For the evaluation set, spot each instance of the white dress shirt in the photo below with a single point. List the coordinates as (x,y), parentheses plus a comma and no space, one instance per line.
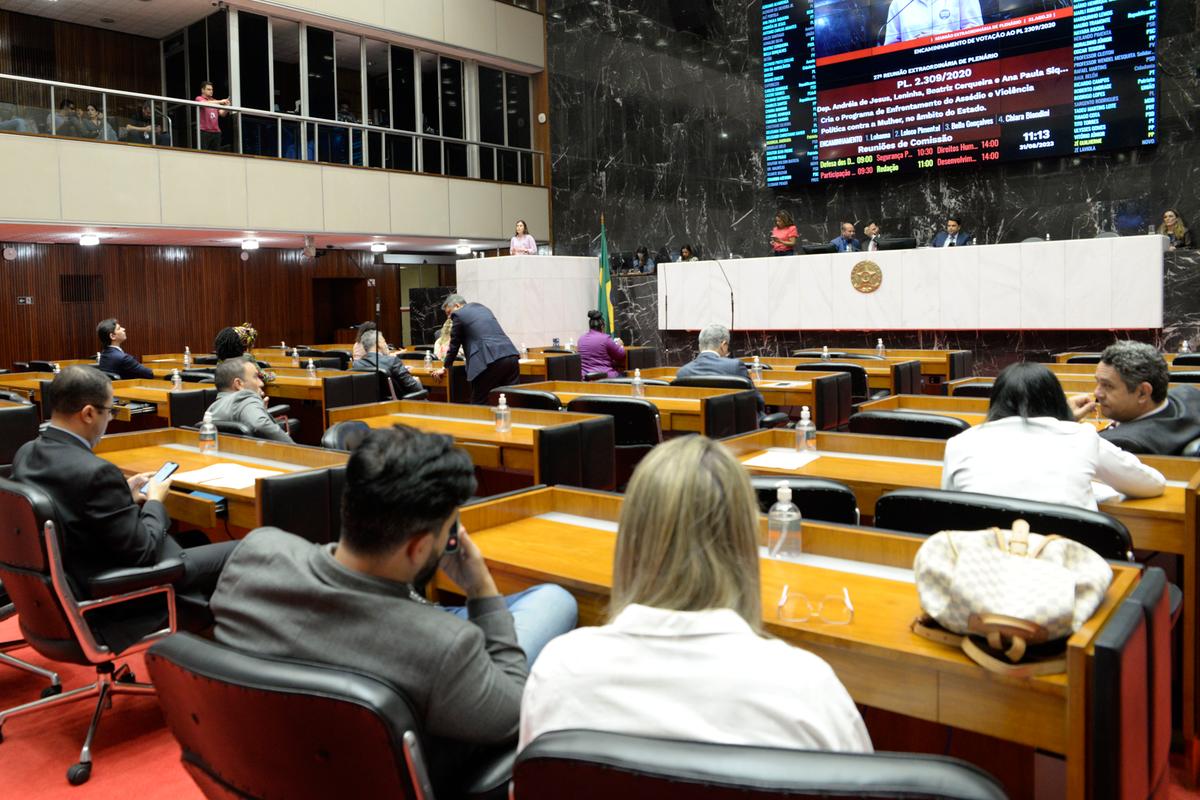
(1046,460)
(912,19)
(693,675)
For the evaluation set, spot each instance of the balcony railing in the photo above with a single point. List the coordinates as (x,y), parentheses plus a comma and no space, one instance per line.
(31,105)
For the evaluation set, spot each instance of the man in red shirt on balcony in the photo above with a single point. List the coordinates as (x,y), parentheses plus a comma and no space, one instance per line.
(210,126)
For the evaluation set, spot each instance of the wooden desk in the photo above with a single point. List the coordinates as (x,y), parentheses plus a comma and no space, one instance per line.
(874,465)
(880,374)
(25,383)
(1062,358)
(524,450)
(146,451)
(972,410)
(681,409)
(1072,383)
(941,364)
(789,390)
(526,540)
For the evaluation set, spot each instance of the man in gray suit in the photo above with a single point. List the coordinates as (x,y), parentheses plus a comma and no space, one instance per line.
(714,358)
(492,360)
(357,603)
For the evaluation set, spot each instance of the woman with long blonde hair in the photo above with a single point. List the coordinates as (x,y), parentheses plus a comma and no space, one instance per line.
(683,655)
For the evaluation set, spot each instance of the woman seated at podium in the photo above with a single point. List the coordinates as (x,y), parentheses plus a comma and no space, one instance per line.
(683,655)
(599,352)
(687,254)
(1176,232)
(1032,448)
(522,244)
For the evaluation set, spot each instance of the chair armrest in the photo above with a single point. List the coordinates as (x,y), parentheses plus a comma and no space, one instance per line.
(280,410)
(489,773)
(776,420)
(131,579)
(421,395)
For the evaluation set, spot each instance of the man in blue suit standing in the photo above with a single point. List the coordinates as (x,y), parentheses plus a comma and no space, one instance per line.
(846,243)
(492,360)
(953,236)
(112,358)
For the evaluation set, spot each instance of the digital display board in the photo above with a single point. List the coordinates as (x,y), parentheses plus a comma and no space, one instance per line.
(867,87)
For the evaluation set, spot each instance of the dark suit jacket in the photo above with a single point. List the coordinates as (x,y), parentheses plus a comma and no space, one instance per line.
(403,380)
(476,330)
(709,363)
(845,245)
(113,359)
(1164,433)
(102,528)
(961,240)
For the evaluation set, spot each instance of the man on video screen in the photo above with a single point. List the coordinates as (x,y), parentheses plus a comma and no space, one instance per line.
(911,19)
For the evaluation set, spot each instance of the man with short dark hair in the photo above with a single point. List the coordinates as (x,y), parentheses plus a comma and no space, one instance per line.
(106,521)
(492,360)
(241,399)
(210,124)
(112,358)
(953,236)
(1132,391)
(355,603)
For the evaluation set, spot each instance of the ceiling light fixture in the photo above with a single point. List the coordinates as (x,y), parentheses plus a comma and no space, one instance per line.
(463,249)
(378,247)
(89,239)
(249,244)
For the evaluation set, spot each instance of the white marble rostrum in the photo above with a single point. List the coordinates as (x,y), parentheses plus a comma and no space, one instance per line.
(1110,283)
(535,298)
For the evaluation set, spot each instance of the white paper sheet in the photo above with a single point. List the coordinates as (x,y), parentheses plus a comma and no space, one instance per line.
(226,476)
(782,458)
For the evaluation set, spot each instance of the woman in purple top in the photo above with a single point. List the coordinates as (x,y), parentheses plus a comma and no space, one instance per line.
(599,352)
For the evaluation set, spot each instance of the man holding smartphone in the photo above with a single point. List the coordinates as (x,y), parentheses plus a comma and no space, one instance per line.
(107,521)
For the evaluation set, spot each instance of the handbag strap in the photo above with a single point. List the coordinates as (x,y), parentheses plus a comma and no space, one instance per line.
(1030,669)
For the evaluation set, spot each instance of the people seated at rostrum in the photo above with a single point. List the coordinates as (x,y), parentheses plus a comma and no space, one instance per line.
(684,655)
(357,603)
(240,398)
(106,521)
(112,358)
(1031,447)
(1132,391)
(377,359)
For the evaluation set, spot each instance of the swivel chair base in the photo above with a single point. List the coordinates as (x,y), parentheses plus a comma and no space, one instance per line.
(55,686)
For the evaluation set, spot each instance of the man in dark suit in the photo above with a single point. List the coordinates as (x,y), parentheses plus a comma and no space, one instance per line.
(714,358)
(112,358)
(953,236)
(846,243)
(1131,390)
(870,238)
(106,521)
(492,360)
(377,359)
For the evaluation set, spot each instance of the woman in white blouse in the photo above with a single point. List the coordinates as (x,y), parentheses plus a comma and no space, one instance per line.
(522,244)
(1031,448)
(683,655)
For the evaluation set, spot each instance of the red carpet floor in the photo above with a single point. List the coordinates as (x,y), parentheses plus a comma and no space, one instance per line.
(134,756)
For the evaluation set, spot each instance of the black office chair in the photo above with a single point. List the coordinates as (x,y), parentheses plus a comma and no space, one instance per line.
(974,389)
(1155,597)
(775,419)
(637,428)
(345,435)
(921,424)
(928,511)
(197,376)
(303,503)
(1189,376)
(1084,359)
(253,727)
(54,613)
(817,498)
(595,765)
(557,350)
(13,397)
(186,408)
(1191,449)
(1119,707)
(112,376)
(516,397)
(18,425)
(208,361)
(233,427)
(343,357)
(595,376)
(41,366)
(321,362)
(820,354)
(629,379)
(860,386)
(405,355)
(8,610)
(1186,360)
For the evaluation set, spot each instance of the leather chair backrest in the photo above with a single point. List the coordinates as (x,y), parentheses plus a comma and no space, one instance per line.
(906,377)
(558,350)
(962,364)
(594,765)
(339,390)
(1186,360)
(13,397)
(405,355)
(367,388)
(1189,376)
(564,368)
(317,731)
(25,571)
(1083,360)
(344,435)
(197,376)
(112,376)
(1191,449)
(457,386)
(297,502)
(817,498)
(597,447)
(188,407)
(907,423)
(41,366)
(337,485)
(1152,595)
(715,382)
(859,385)
(834,399)
(927,511)
(974,389)
(343,357)
(47,398)
(642,358)
(206,360)
(18,425)
(1120,718)
(635,419)
(233,427)
(322,362)
(516,397)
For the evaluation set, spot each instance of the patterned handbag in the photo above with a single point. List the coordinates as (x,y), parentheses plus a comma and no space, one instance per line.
(1014,588)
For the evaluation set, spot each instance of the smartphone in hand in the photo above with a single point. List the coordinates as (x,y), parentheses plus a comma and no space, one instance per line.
(164,472)
(452,541)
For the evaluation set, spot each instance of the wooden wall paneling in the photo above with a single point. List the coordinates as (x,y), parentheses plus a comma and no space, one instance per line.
(16,321)
(109,59)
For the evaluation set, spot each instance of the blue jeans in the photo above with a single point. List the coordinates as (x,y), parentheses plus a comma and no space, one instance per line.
(540,613)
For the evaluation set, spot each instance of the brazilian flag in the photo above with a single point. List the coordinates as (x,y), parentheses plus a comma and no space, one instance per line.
(604,295)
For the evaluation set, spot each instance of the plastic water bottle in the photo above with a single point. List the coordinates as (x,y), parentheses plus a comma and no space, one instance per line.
(806,433)
(187,357)
(503,416)
(571,345)
(524,351)
(283,346)
(639,388)
(97,358)
(57,368)
(1047,237)
(825,352)
(176,381)
(296,357)
(879,349)
(428,361)
(208,435)
(756,370)
(1185,347)
(783,526)
(312,369)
